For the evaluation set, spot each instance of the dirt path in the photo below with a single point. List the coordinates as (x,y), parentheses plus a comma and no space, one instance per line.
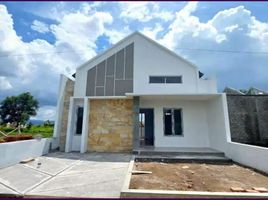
(196,177)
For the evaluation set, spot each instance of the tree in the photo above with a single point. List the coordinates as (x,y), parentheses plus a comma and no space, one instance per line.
(18,109)
(48,123)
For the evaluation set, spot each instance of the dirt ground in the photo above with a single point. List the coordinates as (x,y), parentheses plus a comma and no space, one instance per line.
(196,177)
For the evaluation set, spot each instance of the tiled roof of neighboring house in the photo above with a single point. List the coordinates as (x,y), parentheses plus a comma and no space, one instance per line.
(255,91)
(250,91)
(229,90)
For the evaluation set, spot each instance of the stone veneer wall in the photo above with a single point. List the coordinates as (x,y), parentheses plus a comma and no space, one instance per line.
(110,125)
(68,92)
(248,116)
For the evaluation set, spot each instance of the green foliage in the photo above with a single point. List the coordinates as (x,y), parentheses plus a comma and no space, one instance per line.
(48,123)
(18,109)
(45,131)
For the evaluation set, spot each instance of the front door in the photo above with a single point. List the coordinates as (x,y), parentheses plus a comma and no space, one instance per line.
(147,125)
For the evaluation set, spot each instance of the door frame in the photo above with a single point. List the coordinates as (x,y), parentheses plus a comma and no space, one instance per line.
(149,108)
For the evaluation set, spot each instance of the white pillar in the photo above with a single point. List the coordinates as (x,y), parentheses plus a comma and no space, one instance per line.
(84,136)
(70,126)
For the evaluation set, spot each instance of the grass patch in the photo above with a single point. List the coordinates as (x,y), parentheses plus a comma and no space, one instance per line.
(45,131)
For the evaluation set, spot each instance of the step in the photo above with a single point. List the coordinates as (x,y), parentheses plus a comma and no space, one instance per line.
(176,153)
(183,158)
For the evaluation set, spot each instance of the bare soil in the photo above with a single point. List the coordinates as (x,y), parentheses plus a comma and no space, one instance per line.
(196,177)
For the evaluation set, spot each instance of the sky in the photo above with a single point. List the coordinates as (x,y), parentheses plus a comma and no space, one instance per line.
(41,40)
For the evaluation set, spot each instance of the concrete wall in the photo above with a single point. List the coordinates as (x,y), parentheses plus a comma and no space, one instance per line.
(14,152)
(249,155)
(194,119)
(110,125)
(248,118)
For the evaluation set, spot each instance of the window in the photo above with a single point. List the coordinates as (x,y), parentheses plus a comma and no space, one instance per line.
(172,121)
(79,122)
(165,79)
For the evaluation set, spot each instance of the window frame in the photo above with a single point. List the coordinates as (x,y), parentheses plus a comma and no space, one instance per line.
(165,79)
(173,126)
(76,116)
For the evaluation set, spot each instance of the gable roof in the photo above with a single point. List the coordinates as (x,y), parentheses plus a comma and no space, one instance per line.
(129,37)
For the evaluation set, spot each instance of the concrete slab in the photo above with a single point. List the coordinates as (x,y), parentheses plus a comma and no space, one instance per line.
(50,165)
(105,180)
(68,175)
(6,190)
(21,178)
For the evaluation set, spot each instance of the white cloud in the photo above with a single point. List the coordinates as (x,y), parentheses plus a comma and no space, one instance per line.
(45,113)
(152,32)
(4,83)
(143,11)
(35,66)
(39,26)
(117,35)
(230,29)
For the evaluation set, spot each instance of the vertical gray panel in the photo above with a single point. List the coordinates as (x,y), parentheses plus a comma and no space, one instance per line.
(110,66)
(91,75)
(99,91)
(100,74)
(109,86)
(123,86)
(129,61)
(119,69)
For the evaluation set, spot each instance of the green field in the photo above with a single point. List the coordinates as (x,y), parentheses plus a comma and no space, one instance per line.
(45,131)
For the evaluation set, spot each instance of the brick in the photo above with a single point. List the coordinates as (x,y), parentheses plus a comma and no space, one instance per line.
(252,191)
(260,189)
(237,189)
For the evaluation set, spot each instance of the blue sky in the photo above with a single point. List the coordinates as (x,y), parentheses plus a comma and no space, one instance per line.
(39,41)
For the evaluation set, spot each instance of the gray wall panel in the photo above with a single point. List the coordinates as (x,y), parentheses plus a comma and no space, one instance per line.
(100,74)
(109,86)
(119,69)
(99,91)
(91,75)
(110,66)
(129,61)
(123,86)
(113,76)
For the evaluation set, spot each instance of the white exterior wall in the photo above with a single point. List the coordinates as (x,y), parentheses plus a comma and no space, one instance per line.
(194,119)
(13,152)
(249,155)
(219,130)
(151,60)
(207,85)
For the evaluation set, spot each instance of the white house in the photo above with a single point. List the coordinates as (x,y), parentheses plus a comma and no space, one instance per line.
(138,93)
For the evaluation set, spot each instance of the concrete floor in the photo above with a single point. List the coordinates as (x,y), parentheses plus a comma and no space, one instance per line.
(67,175)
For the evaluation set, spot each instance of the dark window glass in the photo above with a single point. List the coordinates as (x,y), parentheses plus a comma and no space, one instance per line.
(79,122)
(173,79)
(172,122)
(165,79)
(177,122)
(168,121)
(157,79)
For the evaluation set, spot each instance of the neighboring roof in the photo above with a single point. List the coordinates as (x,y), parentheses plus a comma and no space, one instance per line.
(229,90)
(255,91)
(250,91)
(128,38)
